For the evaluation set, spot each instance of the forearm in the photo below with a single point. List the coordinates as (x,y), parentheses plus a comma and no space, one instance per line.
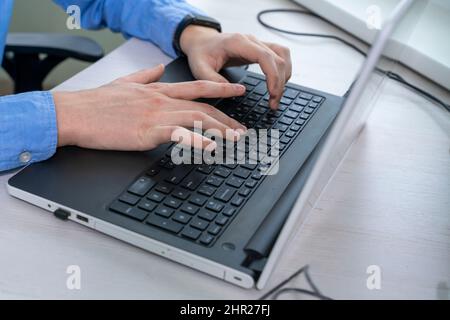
(152,20)
(28,129)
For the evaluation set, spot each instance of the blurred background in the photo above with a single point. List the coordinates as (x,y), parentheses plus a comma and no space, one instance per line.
(46,16)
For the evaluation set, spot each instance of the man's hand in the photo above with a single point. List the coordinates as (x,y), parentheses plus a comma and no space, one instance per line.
(208,51)
(137,113)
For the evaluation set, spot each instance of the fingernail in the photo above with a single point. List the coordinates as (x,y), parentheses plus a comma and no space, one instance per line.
(211,147)
(239,87)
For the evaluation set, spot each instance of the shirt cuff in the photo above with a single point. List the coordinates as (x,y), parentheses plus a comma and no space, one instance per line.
(29,129)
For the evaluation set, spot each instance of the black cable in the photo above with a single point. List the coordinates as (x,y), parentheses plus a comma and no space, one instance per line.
(391,75)
(277,291)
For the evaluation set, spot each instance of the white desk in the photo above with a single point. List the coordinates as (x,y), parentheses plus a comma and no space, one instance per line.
(387,205)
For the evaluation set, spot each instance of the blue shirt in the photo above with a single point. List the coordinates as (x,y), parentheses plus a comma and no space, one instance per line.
(28,128)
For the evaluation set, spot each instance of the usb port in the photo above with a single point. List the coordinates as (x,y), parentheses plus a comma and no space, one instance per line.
(81,218)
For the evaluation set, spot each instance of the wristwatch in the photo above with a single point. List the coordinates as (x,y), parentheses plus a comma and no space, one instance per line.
(197,20)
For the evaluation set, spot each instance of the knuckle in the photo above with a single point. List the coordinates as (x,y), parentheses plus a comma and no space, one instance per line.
(157,98)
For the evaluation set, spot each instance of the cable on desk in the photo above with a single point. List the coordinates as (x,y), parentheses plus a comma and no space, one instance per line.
(391,75)
(278,290)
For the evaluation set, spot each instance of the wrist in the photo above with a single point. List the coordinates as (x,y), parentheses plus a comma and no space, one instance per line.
(193,35)
(64,118)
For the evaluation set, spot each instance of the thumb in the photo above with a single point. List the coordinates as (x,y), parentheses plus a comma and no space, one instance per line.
(144,76)
(203,71)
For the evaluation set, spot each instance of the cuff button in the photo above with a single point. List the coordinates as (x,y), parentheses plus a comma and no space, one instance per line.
(25,157)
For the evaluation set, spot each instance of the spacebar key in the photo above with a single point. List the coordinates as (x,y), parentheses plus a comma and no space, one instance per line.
(165,224)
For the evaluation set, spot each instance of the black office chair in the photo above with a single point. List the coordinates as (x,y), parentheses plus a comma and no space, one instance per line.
(29,57)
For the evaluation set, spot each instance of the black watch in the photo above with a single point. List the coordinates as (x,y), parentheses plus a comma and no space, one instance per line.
(197,20)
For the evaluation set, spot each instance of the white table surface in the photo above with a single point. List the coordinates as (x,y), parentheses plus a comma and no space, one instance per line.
(387,205)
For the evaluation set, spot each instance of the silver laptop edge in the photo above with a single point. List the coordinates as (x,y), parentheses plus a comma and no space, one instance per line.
(213,268)
(304,203)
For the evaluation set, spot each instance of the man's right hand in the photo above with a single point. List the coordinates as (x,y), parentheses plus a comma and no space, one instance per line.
(137,113)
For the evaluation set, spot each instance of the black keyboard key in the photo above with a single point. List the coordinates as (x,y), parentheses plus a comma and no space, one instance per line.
(250,166)
(214,206)
(206,169)
(193,180)
(286,101)
(164,188)
(242,173)
(164,211)
(214,181)
(260,110)
(155,196)
(231,166)
(317,99)
(313,105)
(178,174)
(256,176)
(172,202)
(261,88)
(199,224)
(244,192)
(285,140)
(296,108)
(206,239)
(129,198)
(286,121)
(251,81)
(214,229)
(131,212)
(301,102)
(300,122)
(120,207)
(291,114)
(235,182)
(251,183)
(295,128)
(229,211)
(291,93)
(222,220)
(304,116)
(237,200)
(309,110)
(222,172)
(141,186)
(206,190)
(254,96)
(306,96)
(224,193)
(147,205)
(181,194)
(207,215)
(189,208)
(181,217)
(198,200)
(165,224)
(290,134)
(281,127)
(191,233)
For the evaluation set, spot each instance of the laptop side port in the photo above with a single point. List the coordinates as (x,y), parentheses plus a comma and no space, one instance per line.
(83,219)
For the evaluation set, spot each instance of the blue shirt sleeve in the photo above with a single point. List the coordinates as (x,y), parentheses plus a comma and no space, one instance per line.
(28,131)
(152,20)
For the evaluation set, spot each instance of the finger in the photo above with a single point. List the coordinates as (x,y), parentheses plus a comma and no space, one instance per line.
(275,95)
(285,54)
(200,89)
(163,134)
(245,48)
(144,76)
(185,105)
(202,70)
(198,120)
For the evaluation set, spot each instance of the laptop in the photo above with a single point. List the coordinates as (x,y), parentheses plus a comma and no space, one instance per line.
(230,220)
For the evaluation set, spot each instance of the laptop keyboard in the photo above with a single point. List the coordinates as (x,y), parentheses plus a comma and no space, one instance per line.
(198,202)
